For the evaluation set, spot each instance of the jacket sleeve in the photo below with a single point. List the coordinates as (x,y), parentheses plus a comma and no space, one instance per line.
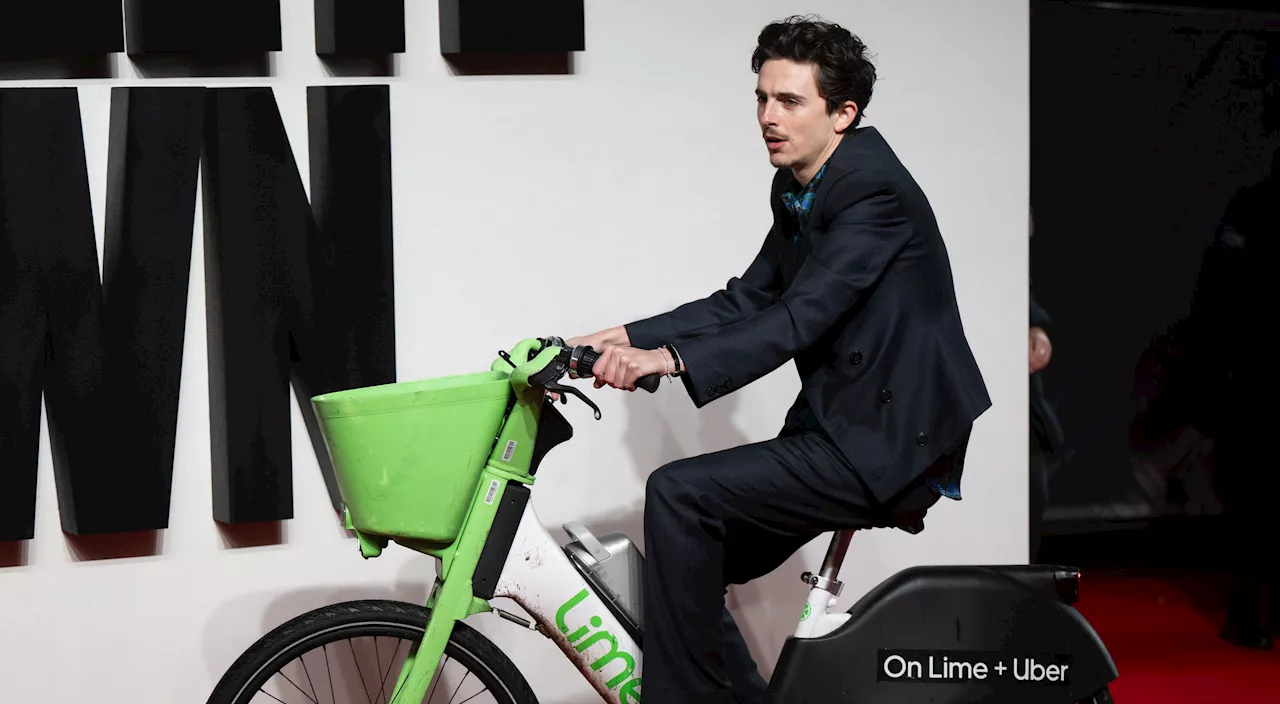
(869,230)
(741,297)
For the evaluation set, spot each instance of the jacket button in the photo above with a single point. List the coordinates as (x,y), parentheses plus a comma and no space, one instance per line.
(886,396)
(855,358)
(922,439)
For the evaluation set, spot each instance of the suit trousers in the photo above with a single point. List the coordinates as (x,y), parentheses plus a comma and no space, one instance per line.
(727,518)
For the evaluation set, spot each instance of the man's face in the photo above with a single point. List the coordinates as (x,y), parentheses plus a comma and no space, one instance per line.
(799,132)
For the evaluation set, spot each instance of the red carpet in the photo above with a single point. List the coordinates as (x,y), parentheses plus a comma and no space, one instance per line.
(1162,630)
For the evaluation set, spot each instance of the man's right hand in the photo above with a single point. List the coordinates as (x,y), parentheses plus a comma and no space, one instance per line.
(603,340)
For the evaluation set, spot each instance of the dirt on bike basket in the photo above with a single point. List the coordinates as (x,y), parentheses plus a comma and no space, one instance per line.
(407,456)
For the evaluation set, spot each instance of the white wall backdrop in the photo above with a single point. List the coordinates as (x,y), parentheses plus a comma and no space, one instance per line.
(644,169)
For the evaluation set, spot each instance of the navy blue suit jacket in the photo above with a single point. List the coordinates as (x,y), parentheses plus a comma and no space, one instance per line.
(869,317)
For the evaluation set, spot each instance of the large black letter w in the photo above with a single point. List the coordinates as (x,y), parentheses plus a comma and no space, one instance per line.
(292,291)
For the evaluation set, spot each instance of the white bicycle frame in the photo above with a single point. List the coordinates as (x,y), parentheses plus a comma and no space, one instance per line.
(539,576)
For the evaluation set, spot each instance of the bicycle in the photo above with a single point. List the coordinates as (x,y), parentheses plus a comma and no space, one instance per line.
(446,467)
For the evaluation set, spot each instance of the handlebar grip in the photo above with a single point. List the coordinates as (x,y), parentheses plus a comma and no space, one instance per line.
(587,362)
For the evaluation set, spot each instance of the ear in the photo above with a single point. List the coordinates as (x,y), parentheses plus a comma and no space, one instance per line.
(842,118)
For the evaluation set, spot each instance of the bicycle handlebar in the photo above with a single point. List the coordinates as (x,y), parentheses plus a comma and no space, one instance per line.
(583,359)
(536,366)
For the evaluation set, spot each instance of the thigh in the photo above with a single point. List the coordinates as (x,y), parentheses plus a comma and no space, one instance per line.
(769,499)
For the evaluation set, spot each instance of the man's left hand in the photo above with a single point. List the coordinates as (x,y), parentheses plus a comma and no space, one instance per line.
(620,366)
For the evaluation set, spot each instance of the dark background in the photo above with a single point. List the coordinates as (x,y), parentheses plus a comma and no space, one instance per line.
(1144,121)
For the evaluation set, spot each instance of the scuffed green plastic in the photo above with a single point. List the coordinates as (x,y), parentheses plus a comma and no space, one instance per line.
(408,456)
(426,464)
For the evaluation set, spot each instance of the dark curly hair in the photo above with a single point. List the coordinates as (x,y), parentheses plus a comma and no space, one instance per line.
(843,71)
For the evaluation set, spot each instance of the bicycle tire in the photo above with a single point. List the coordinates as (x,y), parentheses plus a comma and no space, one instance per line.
(327,624)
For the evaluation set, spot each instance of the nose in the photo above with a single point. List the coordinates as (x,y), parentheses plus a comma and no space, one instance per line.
(768,113)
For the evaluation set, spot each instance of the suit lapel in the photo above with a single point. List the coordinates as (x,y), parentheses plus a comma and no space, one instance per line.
(832,174)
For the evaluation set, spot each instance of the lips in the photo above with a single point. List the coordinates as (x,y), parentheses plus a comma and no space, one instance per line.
(774,143)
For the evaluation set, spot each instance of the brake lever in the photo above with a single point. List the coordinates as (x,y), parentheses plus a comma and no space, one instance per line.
(561,389)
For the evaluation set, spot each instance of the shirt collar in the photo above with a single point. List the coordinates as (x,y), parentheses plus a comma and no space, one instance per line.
(800,203)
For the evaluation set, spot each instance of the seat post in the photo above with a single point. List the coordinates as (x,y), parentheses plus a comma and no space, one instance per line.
(823,590)
(826,577)
(835,554)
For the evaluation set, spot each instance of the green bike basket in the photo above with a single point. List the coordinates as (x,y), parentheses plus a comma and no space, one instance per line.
(408,455)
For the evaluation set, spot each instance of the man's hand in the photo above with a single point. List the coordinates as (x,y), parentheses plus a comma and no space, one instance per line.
(603,340)
(619,366)
(1041,349)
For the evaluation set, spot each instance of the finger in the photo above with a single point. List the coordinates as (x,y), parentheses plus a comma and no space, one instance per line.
(633,374)
(601,368)
(620,372)
(626,373)
(612,366)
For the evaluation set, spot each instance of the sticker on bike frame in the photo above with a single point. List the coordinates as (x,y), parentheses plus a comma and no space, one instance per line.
(509,451)
(493,491)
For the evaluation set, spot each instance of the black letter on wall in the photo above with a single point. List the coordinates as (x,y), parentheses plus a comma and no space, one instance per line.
(43,29)
(359,27)
(290,294)
(202,27)
(107,356)
(298,294)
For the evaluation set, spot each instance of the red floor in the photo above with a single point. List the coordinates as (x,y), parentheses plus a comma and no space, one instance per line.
(1162,630)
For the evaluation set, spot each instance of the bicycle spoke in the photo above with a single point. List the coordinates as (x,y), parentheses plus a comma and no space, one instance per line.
(377,658)
(309,682)
(360,672)
(295,685)
(332,697)
(447,680)
(435,681)
(455,691)
(390,666)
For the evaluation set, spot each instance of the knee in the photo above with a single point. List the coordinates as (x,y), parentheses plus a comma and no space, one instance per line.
(668,486)
(662,484)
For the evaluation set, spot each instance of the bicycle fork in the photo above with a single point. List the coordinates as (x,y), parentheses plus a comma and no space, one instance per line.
(452,598)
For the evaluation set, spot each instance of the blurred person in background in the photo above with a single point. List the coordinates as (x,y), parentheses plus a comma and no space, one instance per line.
(1235,295)
(1234,301)
(1046,432)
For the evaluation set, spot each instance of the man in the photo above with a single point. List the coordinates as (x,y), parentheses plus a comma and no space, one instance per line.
(1236,409)
(1047,440)
(854,284)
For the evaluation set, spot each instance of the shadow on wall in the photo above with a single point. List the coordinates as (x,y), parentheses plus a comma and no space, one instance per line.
(14,554)
(146,543)
(241,621)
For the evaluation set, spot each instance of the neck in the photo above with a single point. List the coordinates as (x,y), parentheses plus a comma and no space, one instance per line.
(804,174)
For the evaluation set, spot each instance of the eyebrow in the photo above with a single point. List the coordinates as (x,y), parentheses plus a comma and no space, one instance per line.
(784,96)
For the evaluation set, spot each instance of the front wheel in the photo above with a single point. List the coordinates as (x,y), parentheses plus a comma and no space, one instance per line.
(352,652)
